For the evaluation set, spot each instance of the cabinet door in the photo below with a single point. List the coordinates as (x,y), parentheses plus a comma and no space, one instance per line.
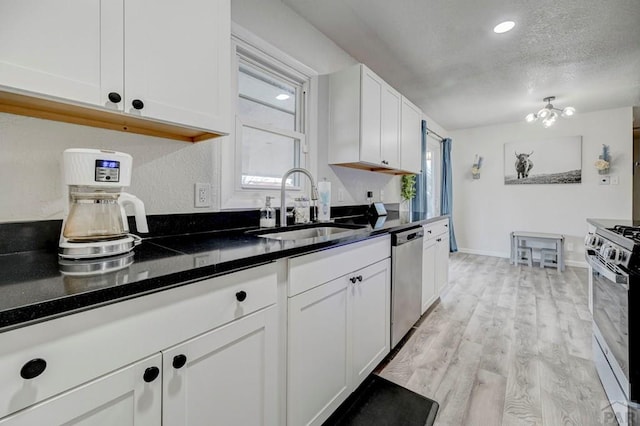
(121,398)
(411,137)
(318,373)
(177,58)
(442,262)
(70,50)
(429,293)
(390,127)
(370,330)
(227,376)
(371,108)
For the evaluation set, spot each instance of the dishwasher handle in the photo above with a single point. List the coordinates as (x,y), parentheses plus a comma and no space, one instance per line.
(407,236)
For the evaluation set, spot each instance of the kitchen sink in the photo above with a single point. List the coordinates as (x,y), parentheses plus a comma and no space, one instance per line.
(320,230)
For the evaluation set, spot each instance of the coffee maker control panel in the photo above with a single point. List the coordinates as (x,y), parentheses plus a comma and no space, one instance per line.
(107,171)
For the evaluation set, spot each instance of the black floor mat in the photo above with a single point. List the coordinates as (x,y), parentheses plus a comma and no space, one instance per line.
(379,402)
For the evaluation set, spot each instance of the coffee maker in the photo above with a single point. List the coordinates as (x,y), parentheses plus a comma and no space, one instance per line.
(96,223)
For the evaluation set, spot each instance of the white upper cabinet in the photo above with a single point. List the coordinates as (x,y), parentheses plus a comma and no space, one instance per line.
(177,61)
(162,61)
(411,137)
(390,127)
(70,50)
(365,122)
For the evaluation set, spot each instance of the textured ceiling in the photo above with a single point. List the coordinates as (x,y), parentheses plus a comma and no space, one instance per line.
(445,57)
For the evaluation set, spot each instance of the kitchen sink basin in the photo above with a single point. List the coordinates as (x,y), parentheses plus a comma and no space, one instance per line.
(321,231)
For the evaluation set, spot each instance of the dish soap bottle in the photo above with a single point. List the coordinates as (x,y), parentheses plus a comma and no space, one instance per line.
(267,215)
(324,207)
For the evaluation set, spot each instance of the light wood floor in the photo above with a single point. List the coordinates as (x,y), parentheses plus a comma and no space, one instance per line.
(507,345)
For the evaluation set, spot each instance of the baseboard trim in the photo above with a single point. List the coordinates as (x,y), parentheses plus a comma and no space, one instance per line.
(484,252)
(576,263)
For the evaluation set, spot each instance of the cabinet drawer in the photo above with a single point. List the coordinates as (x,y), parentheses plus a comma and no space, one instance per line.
(431,230)
(80,347)
(311,270)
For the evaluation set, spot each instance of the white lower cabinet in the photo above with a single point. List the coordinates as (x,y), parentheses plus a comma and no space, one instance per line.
(199,354)
(435,261)
(442,262)
(129,396)
(337,333)
(429,293)
(318,353)
(225,377)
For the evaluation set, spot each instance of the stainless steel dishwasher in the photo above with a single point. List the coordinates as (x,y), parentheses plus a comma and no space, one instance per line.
(406,281)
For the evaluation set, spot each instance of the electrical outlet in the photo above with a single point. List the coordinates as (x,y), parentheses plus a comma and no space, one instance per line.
(381,195)
(203,195)
(604,180)
(201,261)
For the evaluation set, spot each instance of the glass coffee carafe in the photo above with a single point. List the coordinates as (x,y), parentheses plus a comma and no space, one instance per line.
(95,214)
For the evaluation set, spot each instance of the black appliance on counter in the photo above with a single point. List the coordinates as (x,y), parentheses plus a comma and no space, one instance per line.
(613,254)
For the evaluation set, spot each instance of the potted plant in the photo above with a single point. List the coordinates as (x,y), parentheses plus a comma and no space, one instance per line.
(407,191)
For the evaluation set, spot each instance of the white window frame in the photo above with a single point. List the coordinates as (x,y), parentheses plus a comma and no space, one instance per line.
(436,148)
(257,52)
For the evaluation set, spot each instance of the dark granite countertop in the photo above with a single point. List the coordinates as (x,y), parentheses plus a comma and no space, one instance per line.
(33,288)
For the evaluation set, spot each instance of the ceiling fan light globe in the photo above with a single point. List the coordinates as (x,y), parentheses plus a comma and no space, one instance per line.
(543,113)
(568,111)
(531,117)
(548,122)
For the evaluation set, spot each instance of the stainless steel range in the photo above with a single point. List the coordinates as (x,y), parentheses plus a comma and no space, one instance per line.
(614,256)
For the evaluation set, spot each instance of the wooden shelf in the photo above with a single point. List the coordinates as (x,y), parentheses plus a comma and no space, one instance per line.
(47,109)
(373,168)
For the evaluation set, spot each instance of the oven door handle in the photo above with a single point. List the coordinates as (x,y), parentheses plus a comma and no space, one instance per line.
(608,274)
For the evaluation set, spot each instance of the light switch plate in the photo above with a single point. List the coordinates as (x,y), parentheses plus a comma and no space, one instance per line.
(615,180)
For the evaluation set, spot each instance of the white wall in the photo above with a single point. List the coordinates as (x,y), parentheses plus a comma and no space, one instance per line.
(485,211)
(31,188)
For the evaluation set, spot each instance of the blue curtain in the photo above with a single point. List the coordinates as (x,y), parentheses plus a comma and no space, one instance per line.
(446,204)
(420,201)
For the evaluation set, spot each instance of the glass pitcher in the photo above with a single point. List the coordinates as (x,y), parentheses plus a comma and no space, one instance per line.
(94,214)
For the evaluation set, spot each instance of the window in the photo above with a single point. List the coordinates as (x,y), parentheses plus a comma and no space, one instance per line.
(270,135)
(432,178)
(275,105)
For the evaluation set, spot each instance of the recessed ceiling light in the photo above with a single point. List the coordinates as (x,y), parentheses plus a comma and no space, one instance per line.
(282,97)
(503,27)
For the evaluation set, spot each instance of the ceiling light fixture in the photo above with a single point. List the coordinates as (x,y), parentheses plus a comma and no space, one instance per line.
(549,114)
(282,97)
(503,27)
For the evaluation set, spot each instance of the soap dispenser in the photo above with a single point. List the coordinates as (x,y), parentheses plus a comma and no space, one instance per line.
(267,215)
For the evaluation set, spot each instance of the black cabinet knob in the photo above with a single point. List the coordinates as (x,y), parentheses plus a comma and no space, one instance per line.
(33,368)
(359,277)
(429,231)
(353,280)
(137,104)
(150,374)
(115,97)
(438,239)
(179,361)
(241,296)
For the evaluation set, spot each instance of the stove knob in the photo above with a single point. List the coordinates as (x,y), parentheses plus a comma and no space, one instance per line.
(597,241)
(612,255)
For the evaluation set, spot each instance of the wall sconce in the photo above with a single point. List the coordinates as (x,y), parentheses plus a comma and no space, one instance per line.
(475,169)
(604,161)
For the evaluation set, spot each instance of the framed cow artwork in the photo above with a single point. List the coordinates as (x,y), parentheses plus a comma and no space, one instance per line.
(557,160)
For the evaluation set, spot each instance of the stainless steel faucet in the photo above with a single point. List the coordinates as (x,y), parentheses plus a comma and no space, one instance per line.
(283,188)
